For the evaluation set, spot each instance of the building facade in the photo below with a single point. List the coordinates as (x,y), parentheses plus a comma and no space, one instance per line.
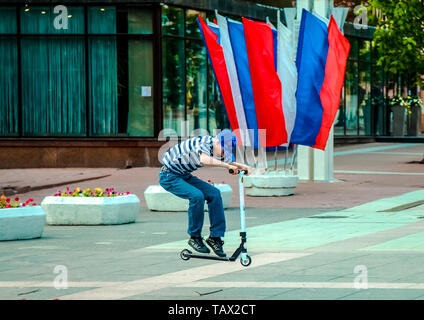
(96,83)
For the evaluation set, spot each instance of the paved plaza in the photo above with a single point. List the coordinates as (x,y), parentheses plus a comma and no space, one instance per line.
(361,237)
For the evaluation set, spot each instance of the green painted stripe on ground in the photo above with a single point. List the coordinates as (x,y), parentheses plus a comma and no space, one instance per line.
(381,172)
(414,242)
(389,203)
(321,229)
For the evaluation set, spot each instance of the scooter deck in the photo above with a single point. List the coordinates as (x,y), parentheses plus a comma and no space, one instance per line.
(245,261)
(209,257)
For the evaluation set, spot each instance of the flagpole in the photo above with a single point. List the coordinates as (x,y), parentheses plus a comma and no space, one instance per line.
(294,157)
(286,158)
(275,159)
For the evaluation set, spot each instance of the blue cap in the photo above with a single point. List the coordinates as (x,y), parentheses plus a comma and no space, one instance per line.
(228,143)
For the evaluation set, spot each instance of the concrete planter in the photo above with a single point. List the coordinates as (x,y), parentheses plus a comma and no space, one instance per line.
(158,199)
(414,121)
(270,185)
(22,223)
(399,120)
(91,210)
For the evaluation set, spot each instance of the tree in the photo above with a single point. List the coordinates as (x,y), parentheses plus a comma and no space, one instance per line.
(399,38)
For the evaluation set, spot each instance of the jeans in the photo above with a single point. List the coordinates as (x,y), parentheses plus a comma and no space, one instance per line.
(197,191)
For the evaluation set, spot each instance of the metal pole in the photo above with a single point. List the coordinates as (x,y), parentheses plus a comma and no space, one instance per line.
(286,159)
(294,158)
(241,196)
(275,159)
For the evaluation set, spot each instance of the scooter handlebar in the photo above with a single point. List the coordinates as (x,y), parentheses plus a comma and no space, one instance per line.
(232,171)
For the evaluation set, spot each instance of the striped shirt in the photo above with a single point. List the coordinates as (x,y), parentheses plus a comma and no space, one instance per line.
(184,157)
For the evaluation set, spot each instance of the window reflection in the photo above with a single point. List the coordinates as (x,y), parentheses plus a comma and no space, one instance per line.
(140,89)
(339,120)
(351,100)
(173,83)
(365,109)
(196,84)
(217,115)
(172,21)
(191,26)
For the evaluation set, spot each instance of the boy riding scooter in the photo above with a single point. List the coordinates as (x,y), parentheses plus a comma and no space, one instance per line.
(175,176)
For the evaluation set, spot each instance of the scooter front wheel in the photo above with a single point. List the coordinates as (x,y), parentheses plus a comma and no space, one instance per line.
(185,254)
(246,261)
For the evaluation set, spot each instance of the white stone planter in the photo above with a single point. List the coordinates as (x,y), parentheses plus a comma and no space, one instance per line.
(270,184)
(91,210)
(22,223)
(158,199)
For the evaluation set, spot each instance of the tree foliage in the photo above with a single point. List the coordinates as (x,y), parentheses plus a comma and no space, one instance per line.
(400,37)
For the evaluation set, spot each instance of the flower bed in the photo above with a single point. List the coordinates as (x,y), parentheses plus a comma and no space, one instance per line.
(20,220)
(91,207)
(9,203)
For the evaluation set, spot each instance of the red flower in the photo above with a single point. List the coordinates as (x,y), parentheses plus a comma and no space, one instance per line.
(23,204)
(17,199)
(128,193)
(8,206)
(8,200)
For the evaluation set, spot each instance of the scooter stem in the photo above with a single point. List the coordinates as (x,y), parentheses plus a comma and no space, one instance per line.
(241,196)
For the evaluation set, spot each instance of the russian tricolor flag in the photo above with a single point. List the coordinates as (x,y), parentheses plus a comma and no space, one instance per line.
(217,59)
(262,90)
(245,70)
(261,51)
(321,63)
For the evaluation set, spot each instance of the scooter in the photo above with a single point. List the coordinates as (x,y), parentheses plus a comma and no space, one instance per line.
(245,259)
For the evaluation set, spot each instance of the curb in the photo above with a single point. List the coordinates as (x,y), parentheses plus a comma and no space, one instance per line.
(12,190)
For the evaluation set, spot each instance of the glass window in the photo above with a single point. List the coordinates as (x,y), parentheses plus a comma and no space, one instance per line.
(190,95)
(365,50)
(377,99)
(8,86)
(121,73)
(103,72)
(101,19)
(103,85)
(7,20)
(140,21)
(196,72)
(339,120)
(53,86)
(217,116)
(172,21)
(366,115)
(134,20)
(173,84)
(351,98)
(191,25)
(44,20)
(353,52)
(140,88)
(9,73)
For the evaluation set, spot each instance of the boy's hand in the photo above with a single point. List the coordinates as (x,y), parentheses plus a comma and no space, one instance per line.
(234,168)
(248,169)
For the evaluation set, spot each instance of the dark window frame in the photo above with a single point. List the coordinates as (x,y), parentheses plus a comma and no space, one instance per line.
(157,64)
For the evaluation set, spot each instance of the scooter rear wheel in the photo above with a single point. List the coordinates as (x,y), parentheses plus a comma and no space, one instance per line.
(246,262)
(185,254)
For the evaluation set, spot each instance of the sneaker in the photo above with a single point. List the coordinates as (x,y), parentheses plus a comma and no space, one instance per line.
(216,245)
(197,244)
